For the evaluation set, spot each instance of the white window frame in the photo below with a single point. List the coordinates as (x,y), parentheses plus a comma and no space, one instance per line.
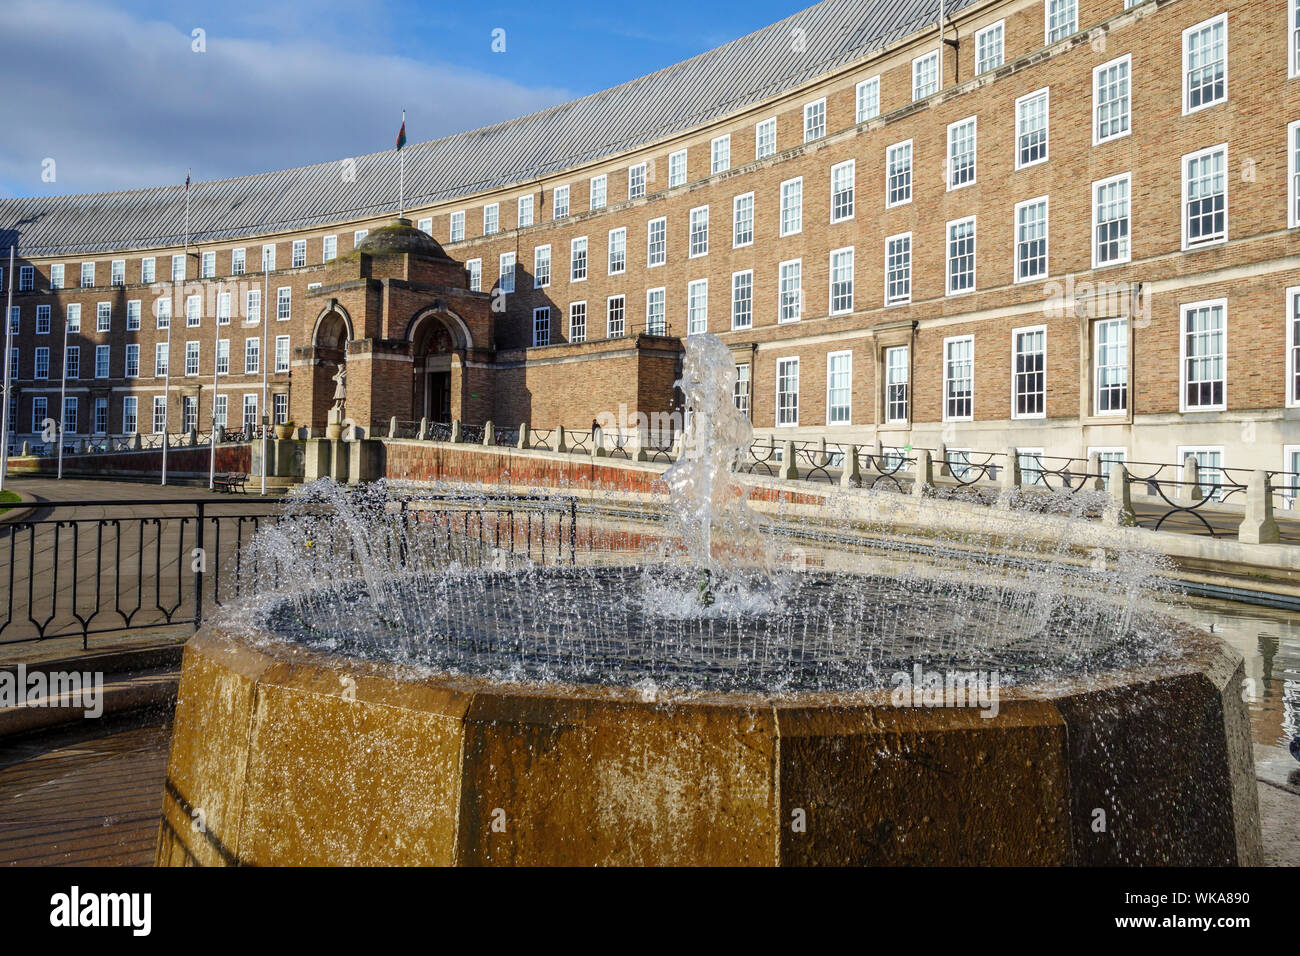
(659,296)
(238,262)
(675,157)
(911,176)
(811,110)
(537,338)
(918,64)
(598,188)
(329,247)
(193,354)
(1128,245)
(948,258)
(890,418)
(576,243)
(830,387)
(1183,310)
(1188,109)
(455,226)
(1292,357)
(637,180)
(1186,161)
(298,254)
(720,154)
(609,316)
(749,323)
(1015,335)
(776,411)
(279,367)
(1293,172)
(861,115)
(1001,27)
(1047,21)
(1044,201)
(617,237)
(651,261)
(1097,138)
(758,138)
(851,166)
(525,213)
(1094,334)
(507,263)
(556,207)
(951,167)
(781,293)
(691,232)
(830,295)
(944,396)
(542,266)
(904,300)
(573,310)
(797,227)
(697,289)
(735,220)
(1046,95)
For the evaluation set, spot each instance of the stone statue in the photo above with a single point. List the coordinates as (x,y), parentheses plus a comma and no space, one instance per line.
(334,420)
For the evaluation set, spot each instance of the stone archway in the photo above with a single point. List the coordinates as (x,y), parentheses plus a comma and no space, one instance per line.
(328,350)
(438,341)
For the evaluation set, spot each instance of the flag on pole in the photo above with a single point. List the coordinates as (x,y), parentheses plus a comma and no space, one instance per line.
(401,133)
(187,180)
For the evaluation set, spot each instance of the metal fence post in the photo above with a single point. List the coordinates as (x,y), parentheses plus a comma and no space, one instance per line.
(199,566)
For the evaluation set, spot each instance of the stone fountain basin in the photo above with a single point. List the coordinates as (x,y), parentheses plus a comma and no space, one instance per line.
(282,755)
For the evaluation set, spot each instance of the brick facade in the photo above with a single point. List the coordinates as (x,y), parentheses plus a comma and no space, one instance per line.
(495,371)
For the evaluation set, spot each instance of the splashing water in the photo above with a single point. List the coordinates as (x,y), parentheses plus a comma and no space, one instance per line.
(710,591)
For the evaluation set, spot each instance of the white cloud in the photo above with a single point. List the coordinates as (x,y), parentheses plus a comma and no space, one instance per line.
(120,102)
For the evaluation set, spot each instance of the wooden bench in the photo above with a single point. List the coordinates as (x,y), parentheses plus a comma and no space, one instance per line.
(230,481)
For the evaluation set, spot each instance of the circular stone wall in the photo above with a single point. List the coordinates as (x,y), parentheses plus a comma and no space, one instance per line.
(283,755)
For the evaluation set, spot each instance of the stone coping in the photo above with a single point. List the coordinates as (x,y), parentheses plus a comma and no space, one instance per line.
(296,756)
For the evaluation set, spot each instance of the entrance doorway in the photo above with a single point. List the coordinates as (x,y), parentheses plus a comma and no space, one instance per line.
(438,397)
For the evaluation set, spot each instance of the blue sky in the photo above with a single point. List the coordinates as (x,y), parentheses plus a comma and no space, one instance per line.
(116,97)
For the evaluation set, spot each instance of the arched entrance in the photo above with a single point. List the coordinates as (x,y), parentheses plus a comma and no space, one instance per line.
(438,340)
(329,352)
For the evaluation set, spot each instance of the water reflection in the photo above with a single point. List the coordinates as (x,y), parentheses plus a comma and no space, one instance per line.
(1269,640)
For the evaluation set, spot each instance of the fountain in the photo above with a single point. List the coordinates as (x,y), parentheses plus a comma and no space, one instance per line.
(735,684)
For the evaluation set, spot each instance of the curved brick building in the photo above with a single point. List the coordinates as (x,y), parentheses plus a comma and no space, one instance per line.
(1068,226)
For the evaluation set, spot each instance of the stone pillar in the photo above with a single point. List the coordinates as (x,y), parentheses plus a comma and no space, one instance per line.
(457,432)
(1120,510)
(942,457)
(1190,489)
(365,461)
(316,459)
(1094,481)
(851,476)
(392,427)
(424,429)
(789,469)
(878,455)
(489,434)
(219,434)
(525,439)
(823,459)
(26,449)
(1010,479)
(135,442)
(1259,525)
(561,442)
(598,443)
(924,475)
(194,437)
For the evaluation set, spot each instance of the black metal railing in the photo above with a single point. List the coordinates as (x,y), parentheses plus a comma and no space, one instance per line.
(77,569)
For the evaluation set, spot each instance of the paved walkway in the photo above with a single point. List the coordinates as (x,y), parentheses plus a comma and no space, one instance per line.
(90,796)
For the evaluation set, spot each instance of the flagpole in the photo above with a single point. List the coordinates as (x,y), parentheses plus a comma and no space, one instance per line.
(266,314)
(401,165)
(63,394)
(212,441)
(9,338)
